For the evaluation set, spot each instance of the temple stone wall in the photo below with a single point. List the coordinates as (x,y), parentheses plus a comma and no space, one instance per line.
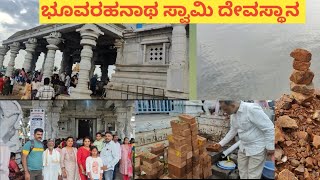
(138,64)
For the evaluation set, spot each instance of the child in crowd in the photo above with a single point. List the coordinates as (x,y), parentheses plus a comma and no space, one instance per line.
(94,165)
(99,141)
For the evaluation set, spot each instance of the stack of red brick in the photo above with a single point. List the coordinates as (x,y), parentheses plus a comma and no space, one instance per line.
(187,156)
(205,159)
(151,166)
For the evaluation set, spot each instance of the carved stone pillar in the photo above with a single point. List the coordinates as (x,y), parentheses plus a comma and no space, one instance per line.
(177,77)
(3,51)
(53,39)
(121,112)
(129,126)
(119,45)
(31,45)
(89,34)
(124,110)
(14,50)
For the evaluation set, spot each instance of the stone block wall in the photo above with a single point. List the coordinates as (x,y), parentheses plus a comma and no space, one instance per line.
(135,67)
(214,126)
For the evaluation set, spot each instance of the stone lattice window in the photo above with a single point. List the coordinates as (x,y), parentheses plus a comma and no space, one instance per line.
(155,54)
(155,50)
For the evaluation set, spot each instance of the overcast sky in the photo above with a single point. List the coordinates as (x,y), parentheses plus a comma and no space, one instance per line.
(17,15)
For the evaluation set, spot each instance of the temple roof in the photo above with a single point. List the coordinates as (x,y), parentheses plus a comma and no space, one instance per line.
(19,33)
(43,30)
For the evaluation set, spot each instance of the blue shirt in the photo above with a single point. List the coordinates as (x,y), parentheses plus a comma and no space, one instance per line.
(34,159)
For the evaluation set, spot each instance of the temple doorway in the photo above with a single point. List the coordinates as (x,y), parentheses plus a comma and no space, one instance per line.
(86,128)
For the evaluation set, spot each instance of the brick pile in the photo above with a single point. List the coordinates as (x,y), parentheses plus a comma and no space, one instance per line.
(187,156)
(150,166)
(158,149)
(297,130)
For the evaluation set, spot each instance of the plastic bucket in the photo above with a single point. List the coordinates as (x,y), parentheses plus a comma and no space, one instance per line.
(268,170)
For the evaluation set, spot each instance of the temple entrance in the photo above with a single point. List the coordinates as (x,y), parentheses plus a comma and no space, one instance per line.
(86,128)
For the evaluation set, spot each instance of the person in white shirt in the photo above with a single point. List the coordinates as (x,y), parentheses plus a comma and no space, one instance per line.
(94,165)
(118,147)
(51,162)
(256,134)
(46,91)
(110,157)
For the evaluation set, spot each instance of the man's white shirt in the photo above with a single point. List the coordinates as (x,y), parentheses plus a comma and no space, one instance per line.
(254,127)
(118,147)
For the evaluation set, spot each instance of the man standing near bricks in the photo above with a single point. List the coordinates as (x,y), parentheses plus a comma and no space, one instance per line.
(256,132)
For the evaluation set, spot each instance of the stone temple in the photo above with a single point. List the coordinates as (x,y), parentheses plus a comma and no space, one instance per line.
(82,118)
(150,61)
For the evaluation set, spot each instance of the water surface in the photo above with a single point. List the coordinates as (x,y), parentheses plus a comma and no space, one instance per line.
(252,61)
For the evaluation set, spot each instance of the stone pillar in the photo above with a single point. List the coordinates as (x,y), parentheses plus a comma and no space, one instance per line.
(31,45)
(119,45)
(53,39)
(129,126)
(104,72)
(89,34)
(65,60)
(14,50)
(3,51)
(124,111)
(121,112)
(177,77)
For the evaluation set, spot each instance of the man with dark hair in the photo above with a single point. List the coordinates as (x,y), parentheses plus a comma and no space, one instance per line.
(110,157)
(256,134)
(32,156)
(46,91)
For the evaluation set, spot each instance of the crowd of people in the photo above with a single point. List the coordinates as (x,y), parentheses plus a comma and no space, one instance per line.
(58,84)
(71,159)
(7,83)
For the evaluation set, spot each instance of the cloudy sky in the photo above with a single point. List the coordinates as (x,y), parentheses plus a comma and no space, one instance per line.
(17,15)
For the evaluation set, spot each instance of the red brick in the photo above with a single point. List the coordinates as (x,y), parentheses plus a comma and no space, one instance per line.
(176,171)
(188,118)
